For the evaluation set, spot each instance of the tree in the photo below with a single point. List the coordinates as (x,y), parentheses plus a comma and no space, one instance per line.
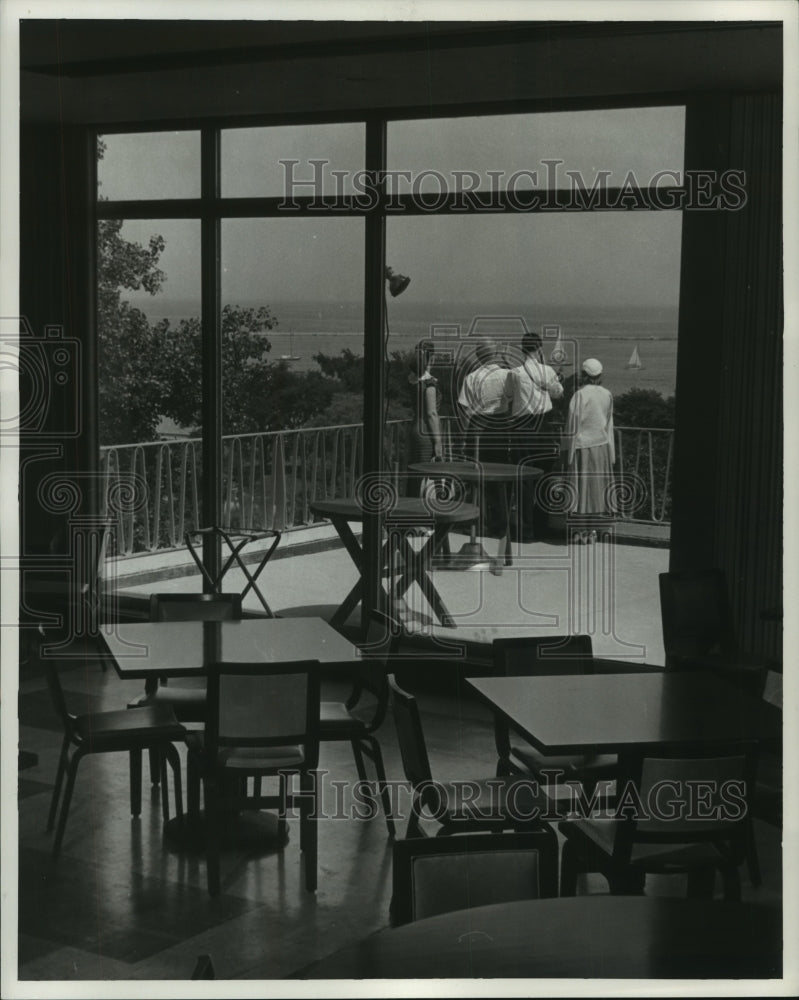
(643,408)
(132,383)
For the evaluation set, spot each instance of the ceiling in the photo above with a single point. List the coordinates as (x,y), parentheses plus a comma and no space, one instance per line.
(117,72)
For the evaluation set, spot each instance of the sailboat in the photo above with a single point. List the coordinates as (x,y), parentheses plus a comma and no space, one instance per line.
(635,359)
(291,356)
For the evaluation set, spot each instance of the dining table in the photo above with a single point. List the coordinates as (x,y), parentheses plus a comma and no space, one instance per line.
(585,937)
(402,520)
(461,474)
(177,650)
(628,712)
(149,651)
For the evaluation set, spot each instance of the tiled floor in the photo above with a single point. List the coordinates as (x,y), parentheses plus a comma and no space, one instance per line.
(122,904)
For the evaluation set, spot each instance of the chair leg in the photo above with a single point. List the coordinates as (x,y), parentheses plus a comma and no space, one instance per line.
(752,860)
(212,836)
(308,827)
(164,786)
(414,828)
(626,883)
(359,765)
(155,766)
(59,781)
(382,784)
(135,782)
(503,768)
(170,754)
(568,870)
(192,787)
(701,883)
(731,882)
(62,819)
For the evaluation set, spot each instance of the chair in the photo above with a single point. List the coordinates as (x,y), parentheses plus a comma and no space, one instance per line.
(187,699)
(698,628)
(472,805)
(537,656)
(235,540)
(441,874)
(677,812)
(362,714)
(154,727)
(263,721)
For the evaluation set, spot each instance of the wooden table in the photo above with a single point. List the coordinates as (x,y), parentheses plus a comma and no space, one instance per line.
(594,937)
(401,521)
(615,713)
(149,650)
(474,474)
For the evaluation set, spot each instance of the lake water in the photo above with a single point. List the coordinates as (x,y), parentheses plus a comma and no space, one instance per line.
(610,334)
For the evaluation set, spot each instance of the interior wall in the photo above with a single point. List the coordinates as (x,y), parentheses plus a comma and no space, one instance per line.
(58,431)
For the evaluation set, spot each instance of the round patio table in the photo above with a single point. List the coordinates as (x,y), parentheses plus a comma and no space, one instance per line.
(402,518)
(473,474)
(580,937)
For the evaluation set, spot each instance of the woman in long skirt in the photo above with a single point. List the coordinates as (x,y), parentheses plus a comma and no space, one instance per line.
(592,454)
(424,441)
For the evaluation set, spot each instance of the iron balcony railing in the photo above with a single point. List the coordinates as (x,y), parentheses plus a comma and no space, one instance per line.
(271,478)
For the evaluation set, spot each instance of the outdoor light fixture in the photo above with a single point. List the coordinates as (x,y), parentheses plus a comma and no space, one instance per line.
(397,283)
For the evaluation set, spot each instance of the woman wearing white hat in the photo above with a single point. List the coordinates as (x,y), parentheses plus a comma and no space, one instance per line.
(592,454)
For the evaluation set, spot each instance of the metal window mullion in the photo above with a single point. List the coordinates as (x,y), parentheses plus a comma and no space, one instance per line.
(210,253)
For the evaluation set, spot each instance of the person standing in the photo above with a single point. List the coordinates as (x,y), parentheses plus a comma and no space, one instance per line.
(424,442)
(484,405)
(530,390)
(591,448)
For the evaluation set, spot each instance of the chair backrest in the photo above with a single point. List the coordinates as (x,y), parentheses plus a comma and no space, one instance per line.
(435,875)
(264,705)
(542,655)
(529,656)
(695,613)
(413,749)
(194,607)
(686,795)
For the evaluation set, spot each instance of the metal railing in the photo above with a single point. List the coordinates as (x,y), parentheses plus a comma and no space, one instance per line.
(271,478)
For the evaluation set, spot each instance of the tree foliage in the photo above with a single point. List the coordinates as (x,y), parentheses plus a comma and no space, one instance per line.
(643,408)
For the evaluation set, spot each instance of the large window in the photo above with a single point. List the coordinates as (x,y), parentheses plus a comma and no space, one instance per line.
(503,223)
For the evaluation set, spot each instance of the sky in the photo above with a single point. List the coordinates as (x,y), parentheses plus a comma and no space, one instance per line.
(603,259)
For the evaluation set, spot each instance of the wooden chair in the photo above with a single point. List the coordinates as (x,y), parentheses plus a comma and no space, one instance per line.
(677,812)
(699,631)
(359,717)
(538,656)
(152,728)
(473,805)
(262,722)
(440,874)
(187,699)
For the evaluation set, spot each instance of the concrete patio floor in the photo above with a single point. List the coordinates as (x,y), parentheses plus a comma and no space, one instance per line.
(608,590)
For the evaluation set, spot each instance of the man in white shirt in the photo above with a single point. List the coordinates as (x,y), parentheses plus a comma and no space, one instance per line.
(483,401)
(529,392)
